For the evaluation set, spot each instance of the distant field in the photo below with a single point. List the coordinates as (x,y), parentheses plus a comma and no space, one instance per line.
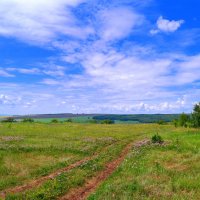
(66,159)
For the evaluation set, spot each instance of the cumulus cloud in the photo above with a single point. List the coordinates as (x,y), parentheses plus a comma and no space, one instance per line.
(167,26)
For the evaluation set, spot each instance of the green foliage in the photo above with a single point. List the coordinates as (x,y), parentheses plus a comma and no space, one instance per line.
(69,120)
(9,119)
(107,121)
(161,122)
(157,139)
(196,116)
(184,119)
(175,122)
(192,120)
(54,121)
(30,120)
(139,118)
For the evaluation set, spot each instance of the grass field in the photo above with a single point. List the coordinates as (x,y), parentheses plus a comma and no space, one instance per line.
(63,157)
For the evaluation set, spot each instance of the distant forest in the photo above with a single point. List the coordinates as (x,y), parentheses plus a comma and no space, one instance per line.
(140,118)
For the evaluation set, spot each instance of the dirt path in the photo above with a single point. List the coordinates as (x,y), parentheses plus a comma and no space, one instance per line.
(40,181)
(90,185)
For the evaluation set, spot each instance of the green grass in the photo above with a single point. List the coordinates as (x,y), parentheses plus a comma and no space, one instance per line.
(154,172)
(32,150)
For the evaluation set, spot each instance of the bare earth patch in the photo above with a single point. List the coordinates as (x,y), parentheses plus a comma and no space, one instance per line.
(10,138)
(147,142)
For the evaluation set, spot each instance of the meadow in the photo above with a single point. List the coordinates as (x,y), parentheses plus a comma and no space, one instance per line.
(98,161)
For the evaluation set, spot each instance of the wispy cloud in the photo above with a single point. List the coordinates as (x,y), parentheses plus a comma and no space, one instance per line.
(118,23)
(4,73)
(40,22)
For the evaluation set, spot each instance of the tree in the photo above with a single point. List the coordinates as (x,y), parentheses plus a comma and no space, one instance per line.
(28,120)
(9,119)
(183,119)
(175,122)
(54,121)
(196,116)
(161,122)
(68,120)
(107,121)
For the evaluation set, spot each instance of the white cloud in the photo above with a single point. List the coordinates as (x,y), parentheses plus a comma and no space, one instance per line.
(9,100)
(45,69)
(50,82)
(4,73)
(118,23)
(24,70)
(41,21)
(165,25)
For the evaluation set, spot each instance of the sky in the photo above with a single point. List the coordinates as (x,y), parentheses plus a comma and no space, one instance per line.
(99,56)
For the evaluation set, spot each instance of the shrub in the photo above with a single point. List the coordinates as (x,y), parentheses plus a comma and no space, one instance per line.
(54,121)
(9,119)
(157,139)
(28,120)
(68,120)
(107,121)
(183,120)
(161,122)
(175,122)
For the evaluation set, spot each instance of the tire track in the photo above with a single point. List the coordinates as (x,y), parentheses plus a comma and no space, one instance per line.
(83,192)
(37,182)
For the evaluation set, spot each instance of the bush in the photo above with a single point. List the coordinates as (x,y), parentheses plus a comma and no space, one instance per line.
(157,139)
(54,121)
(107,121)
(161,122)
(183,120)
(9,119)
(68,120)
(28,120)
(175,122)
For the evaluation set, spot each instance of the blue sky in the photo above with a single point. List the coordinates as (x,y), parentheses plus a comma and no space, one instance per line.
(98,56)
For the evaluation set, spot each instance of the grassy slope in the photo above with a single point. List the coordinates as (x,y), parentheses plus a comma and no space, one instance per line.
(148,173)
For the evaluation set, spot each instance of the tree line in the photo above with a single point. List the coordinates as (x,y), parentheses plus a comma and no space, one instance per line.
(189,120)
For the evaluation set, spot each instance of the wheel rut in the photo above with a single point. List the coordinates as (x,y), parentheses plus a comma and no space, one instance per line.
(37,182)
(90,186)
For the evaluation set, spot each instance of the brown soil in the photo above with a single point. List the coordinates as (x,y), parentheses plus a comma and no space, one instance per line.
(40,181)
(90,185)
